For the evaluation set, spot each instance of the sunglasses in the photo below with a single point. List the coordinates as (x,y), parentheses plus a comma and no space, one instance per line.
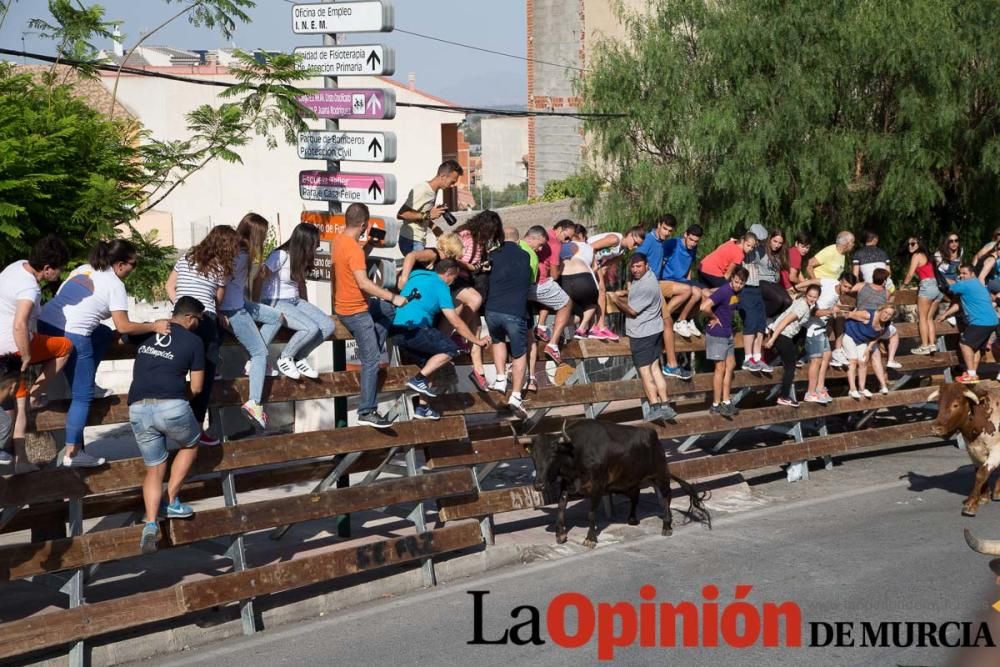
(952,240)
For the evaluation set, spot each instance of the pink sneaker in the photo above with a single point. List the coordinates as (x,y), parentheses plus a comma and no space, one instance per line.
(596,334)
(580,334)
(610,335)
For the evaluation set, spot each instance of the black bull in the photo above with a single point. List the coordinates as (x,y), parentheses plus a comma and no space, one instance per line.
(591,458)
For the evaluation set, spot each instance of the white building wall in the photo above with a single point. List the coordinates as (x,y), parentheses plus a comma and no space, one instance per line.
(504,145)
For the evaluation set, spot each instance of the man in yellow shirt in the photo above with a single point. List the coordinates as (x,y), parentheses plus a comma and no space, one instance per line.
(419,212)
(831,261)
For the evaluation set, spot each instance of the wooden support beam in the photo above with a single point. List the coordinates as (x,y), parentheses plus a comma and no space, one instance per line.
(57,628)
(128,474)
(25,560)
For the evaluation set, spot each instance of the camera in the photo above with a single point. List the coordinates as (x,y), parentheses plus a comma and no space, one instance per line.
(376,234)
(449,218)
(413,295)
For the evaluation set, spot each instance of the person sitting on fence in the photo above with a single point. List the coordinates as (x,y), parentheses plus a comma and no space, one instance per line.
(831,261)
(608,250)
(828,319)
(93,292)
(419,212)
(784,331)
(869,258)
(351,285)
(677,287)
(425,296)
(480,236)
(949,256)
(752,308)
(861,333)
(507,316)
(241,316)
(158,410)
(870,295)
(549,294)
(283,286)
(793,275)
(20,304)
(201,273)
(10,377)
(975,302)
(532,243)
(718,307)
(642,305)
(717,267)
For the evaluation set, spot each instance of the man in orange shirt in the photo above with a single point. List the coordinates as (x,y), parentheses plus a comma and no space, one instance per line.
(351,285)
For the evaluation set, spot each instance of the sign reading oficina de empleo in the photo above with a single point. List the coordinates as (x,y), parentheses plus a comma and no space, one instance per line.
(333,17)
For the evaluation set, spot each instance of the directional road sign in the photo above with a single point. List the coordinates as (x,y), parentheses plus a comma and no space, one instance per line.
(347,188)
(355,103)
(353,146)
(331,17)
(372,59)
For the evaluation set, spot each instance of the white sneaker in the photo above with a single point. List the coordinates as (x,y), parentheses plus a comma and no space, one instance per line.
(883,391)
(306,370)
(893,364)
(692,329)
(499,386)
(103,392)
(287,366)
(81,460)
(952,321)
(855,395)
(681,329)
(866,393)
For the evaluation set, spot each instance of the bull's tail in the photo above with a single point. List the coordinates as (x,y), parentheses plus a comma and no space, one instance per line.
(696,507)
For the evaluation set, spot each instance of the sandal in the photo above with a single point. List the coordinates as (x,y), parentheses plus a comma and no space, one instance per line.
(532,385)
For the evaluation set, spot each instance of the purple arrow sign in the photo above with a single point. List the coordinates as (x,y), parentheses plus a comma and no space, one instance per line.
(347,188)
(355,103)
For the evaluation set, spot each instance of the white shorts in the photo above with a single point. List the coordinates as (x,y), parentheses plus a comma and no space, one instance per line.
(855,351)
(548,294)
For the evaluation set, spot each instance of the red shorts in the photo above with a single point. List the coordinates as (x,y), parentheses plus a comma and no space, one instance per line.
(45,348)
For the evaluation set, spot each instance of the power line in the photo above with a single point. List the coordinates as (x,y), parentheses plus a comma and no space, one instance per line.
(496,53)
(225,84)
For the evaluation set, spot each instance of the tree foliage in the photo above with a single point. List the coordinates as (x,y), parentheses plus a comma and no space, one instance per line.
(79,172)
(800,115)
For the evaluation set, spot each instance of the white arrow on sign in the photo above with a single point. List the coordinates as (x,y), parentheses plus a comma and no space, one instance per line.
(349,146)
(332,17)
(371,59)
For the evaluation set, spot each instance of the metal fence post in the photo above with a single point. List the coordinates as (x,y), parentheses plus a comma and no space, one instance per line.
(237,554)
(418,517)
(79,654)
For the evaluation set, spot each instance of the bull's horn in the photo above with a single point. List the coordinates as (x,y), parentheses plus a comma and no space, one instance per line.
(988,547)
(969,394)
(565,435)
(933,397)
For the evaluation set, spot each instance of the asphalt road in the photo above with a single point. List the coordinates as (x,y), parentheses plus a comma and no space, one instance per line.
(873,552)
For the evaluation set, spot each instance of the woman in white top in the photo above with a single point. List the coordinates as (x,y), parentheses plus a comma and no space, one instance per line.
(580,283)
(92,293)
(283,286)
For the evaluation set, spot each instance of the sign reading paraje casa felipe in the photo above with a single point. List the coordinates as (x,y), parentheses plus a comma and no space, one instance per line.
(352,146)
(374,189)
(354,103)
(371,60)
(332,17)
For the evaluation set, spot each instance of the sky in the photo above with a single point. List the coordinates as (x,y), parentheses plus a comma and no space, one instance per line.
(461,75)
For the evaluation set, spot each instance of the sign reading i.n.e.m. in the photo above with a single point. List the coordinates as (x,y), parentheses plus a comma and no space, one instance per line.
(333,17)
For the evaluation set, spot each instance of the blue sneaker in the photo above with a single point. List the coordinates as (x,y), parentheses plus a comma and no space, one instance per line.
(677,372)
(147,543)
(175,510)
(426,412)
(420,386)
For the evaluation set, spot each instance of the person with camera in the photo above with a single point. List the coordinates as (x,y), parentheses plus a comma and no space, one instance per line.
(352,289)
(427,295)
(419,211)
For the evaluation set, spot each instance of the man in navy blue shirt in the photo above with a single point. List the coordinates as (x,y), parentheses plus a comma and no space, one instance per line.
(158,410)
(507,315)
(679,291)
(980,316)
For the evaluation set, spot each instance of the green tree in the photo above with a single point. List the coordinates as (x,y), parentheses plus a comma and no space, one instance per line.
(799,114)
(83,174)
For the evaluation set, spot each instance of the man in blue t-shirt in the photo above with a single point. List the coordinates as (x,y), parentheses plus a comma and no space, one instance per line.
(507,316)
(980,316)
(679,291)
(158,410)
(428,295)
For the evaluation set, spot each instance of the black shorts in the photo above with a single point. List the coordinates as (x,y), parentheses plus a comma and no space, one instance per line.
(709,281)
(581,288)
(976,336)
(646,350)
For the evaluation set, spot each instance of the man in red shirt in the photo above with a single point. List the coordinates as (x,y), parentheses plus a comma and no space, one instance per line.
(547,293)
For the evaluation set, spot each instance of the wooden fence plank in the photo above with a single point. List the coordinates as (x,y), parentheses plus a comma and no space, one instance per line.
(25,560)
(62,627)
(127,474)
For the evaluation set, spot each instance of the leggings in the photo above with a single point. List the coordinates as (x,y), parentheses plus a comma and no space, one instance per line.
(776,299)
(581,288)
(788,352)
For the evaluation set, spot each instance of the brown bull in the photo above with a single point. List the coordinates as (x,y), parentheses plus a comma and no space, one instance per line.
(976,415)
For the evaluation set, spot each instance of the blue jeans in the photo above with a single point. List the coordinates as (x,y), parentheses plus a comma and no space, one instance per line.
(155,420)
(369,331)
(243,323)
(81,369)
(407,245)
(312,326)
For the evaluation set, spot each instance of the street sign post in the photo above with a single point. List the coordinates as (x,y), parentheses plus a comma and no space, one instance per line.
(353,146)
(372,189)
(362,60)
(351,103)
(333,17)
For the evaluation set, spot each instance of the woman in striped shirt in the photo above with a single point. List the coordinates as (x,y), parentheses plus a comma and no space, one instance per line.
(202,273)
